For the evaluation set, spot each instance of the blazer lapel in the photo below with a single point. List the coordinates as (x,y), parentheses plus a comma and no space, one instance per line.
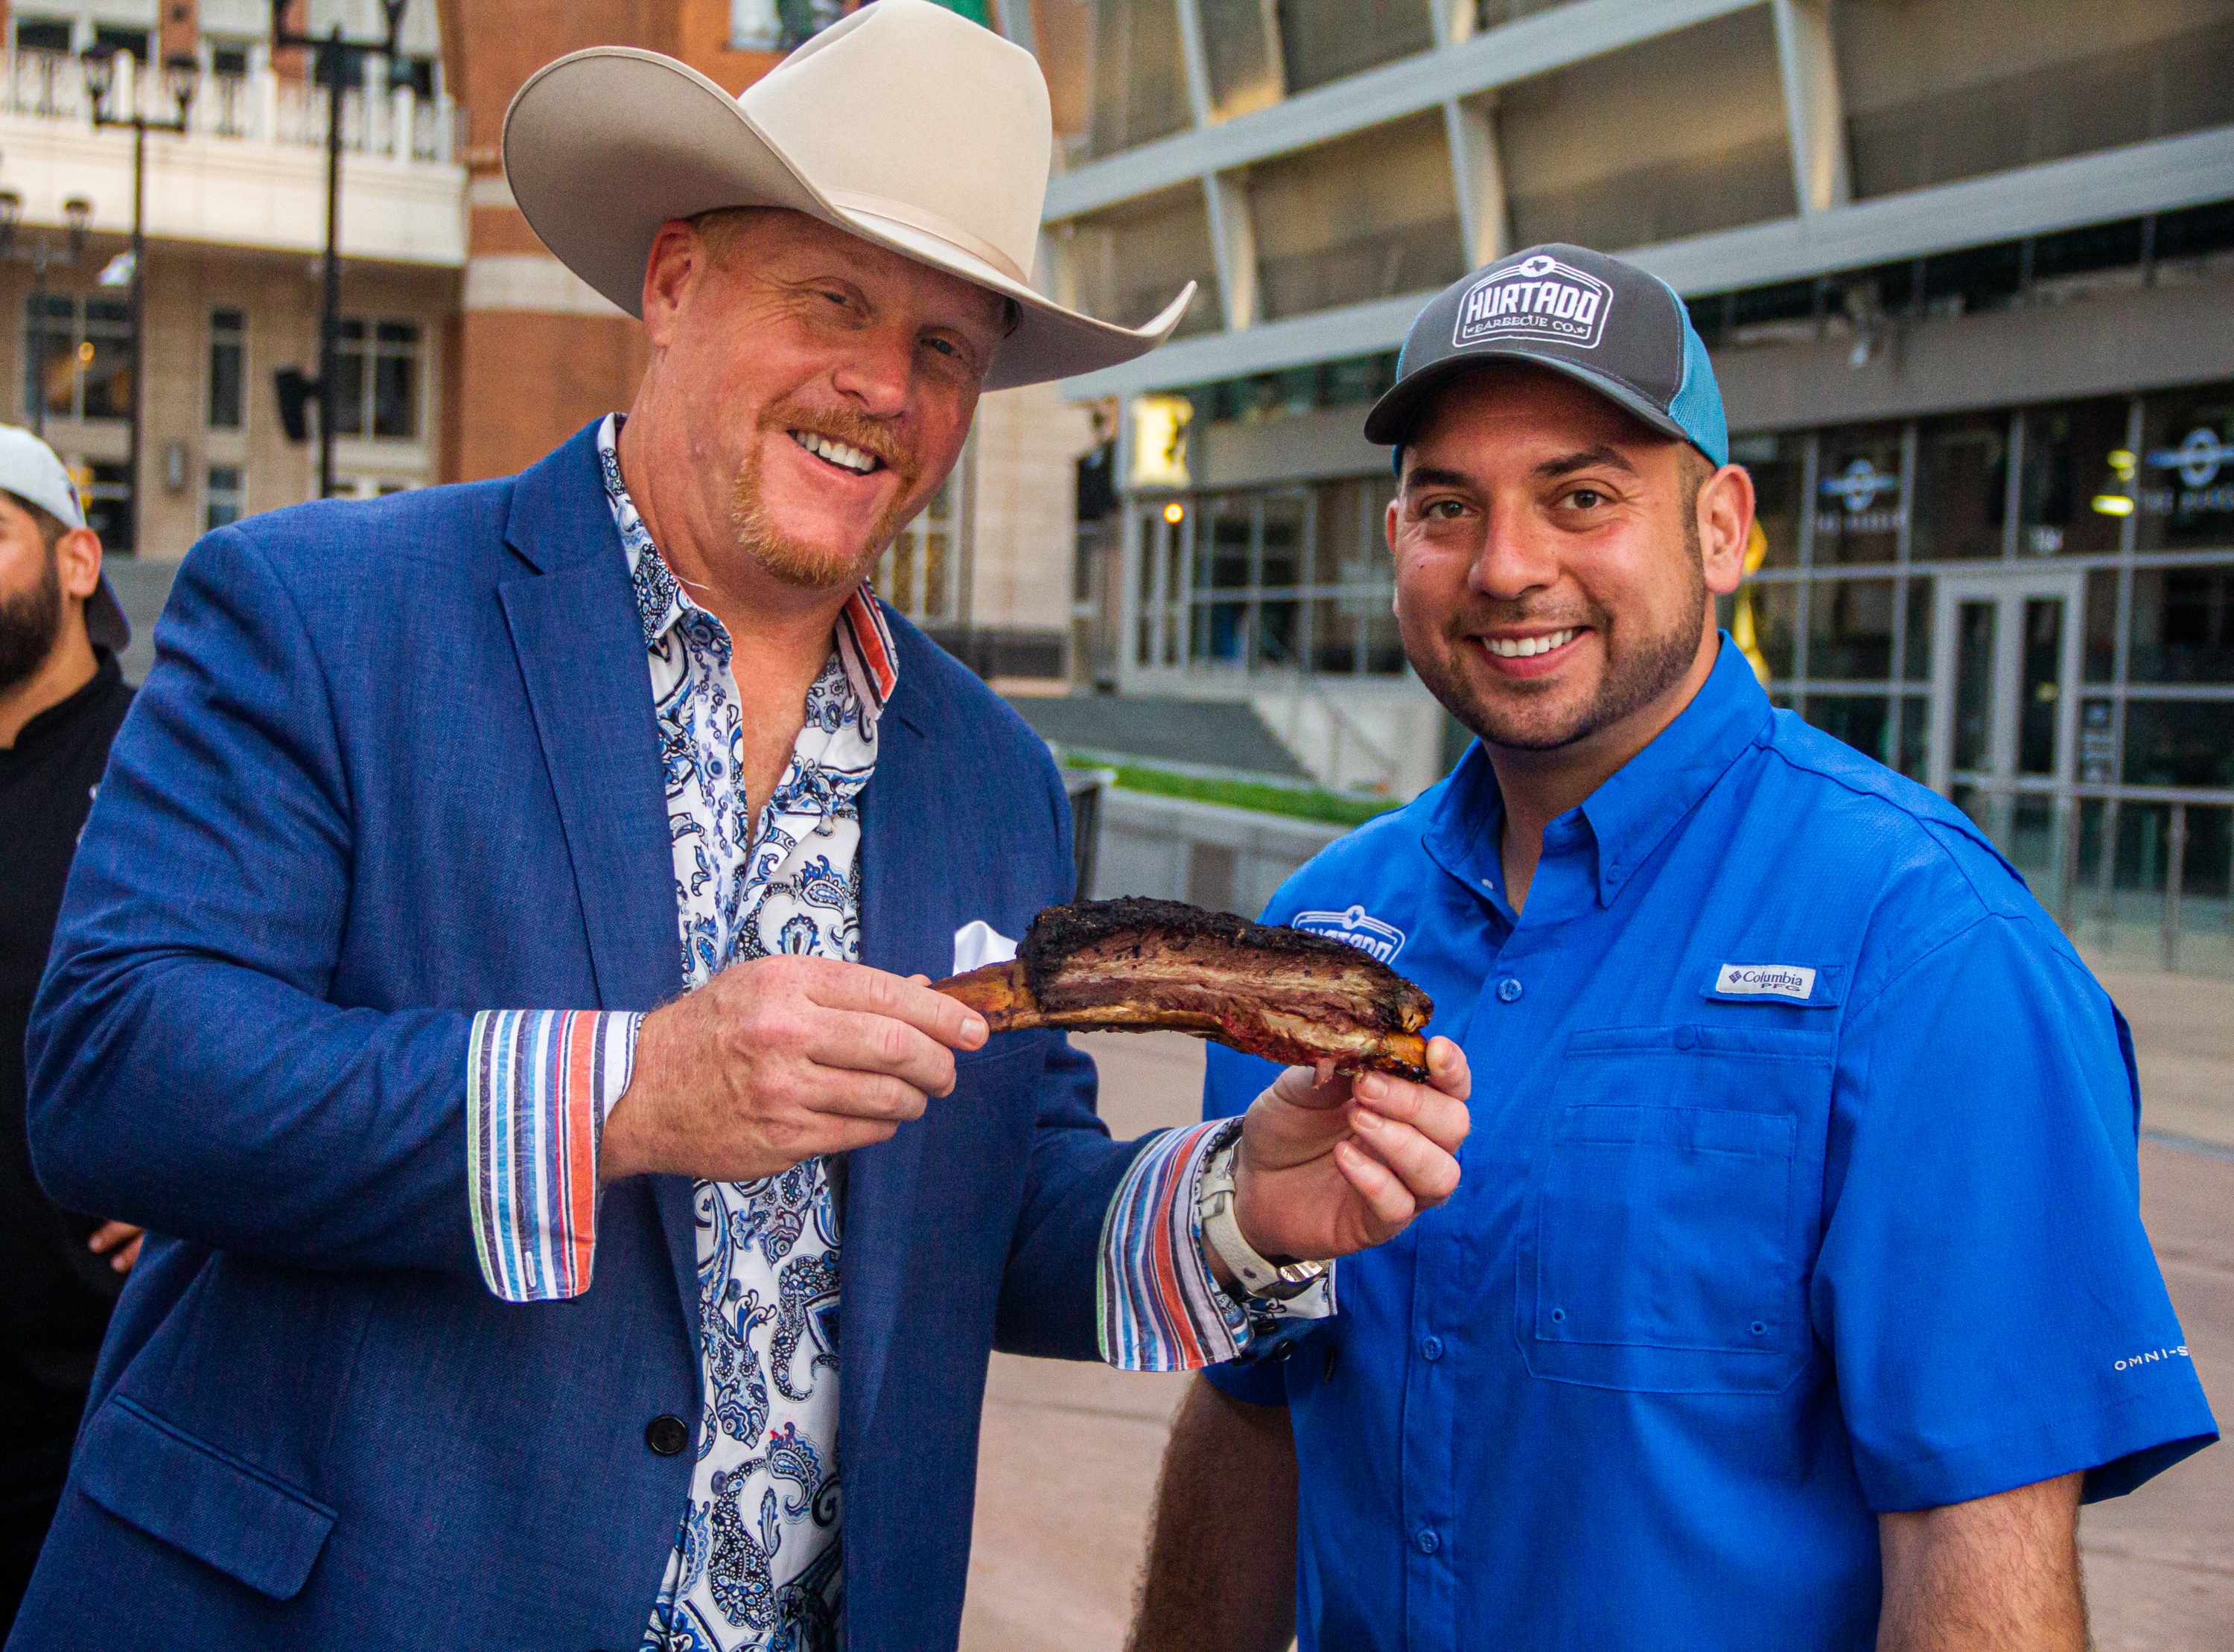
(902,822)
(573,620)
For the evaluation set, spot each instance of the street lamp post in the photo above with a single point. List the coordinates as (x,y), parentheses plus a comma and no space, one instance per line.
(40,256)
(332,51)
(179,76)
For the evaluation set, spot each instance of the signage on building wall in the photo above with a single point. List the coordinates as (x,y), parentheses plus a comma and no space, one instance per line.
(1160,442)
(1856,489)
(2197,461)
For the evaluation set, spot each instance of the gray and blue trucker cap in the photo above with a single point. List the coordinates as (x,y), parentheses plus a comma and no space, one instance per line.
(1599,321)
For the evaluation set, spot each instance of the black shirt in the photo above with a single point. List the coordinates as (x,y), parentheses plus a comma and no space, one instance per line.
(55,1293)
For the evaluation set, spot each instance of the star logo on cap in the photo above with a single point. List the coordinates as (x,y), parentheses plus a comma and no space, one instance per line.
(1538,266)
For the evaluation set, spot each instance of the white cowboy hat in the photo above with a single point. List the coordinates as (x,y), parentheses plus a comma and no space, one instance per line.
(904,124)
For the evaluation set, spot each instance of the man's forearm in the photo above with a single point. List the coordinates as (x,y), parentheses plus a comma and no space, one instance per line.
(1999,1574)
(1221,1566)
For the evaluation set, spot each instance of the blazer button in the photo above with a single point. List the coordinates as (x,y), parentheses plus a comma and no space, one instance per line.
(666,1435)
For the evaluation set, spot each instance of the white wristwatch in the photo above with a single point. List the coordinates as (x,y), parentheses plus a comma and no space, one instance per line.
(1281,1279)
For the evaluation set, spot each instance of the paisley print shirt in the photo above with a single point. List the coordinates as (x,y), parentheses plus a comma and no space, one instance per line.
(757,1562)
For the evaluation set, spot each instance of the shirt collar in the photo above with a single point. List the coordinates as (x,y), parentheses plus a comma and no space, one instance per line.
(1636,806)
(862,637)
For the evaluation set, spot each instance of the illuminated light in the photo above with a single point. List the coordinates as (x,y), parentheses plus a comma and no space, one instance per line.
(85,354)
(2113,504)
(1160,442)
(2124,464)
(1175,514)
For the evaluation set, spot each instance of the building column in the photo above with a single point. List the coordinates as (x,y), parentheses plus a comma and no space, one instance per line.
(1478,175)
(1815,110)
(1233,244)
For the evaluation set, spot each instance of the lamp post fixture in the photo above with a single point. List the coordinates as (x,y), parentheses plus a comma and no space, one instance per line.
(41,255)
(181,75)
(332,55)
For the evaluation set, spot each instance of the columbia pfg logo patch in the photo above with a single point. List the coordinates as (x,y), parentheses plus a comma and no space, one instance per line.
(1539,298)
(1368,934)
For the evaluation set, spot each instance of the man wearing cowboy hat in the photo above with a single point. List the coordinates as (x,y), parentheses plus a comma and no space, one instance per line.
(434,802)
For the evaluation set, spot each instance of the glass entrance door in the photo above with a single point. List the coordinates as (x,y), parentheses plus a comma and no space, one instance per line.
(2004,707)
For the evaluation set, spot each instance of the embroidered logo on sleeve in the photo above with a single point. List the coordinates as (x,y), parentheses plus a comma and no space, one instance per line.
(1368,934)
(1775,980)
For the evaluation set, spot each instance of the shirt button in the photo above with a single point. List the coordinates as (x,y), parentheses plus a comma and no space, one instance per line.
(1685,1038)
(1508,989)
(1431,1349)
(1426,1540)
(666,1435)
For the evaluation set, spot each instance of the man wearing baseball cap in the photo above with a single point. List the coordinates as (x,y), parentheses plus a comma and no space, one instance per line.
(496,965)
(61,700)
(1795,1293)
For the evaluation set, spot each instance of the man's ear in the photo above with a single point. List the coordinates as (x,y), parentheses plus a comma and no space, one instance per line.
(77,562)
(1725,525)
(678,254)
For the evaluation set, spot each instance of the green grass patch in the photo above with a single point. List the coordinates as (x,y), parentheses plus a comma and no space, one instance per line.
(1331,807)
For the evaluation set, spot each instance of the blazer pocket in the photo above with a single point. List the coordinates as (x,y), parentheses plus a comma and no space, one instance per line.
(251,1525)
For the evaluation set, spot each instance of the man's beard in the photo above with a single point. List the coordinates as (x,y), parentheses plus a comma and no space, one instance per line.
(794,562)
(29,621)
(1636,675)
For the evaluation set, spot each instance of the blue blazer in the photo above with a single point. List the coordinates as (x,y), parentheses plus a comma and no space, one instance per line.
(398,763)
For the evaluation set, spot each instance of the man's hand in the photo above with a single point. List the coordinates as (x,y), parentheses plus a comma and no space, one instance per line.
(1330,1164)
(778,1060)
(119,1241)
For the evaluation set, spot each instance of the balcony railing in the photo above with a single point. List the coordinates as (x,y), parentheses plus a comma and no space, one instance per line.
(258,108)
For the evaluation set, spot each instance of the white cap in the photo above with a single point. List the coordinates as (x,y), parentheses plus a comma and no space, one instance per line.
(29,470)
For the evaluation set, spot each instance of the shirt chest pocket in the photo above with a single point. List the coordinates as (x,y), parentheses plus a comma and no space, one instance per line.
(1672,1211)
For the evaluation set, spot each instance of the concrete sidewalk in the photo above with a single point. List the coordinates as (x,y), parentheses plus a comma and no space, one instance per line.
(1067,1464)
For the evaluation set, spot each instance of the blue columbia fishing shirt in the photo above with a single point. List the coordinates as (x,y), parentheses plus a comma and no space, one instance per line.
(1802,1186)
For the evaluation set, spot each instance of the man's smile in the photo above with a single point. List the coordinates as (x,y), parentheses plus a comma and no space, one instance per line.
(1532,654)
(854,462)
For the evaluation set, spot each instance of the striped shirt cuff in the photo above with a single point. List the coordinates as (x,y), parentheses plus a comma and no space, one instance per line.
(538,1084)
(1159,1307)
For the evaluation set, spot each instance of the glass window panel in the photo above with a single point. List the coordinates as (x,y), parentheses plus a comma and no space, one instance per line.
(1241,40)
(2068,466)
(1368,216)
(1862,721)
(1325,40)
(1677,135)
(1131,261)
(2097,744)
(1775,463)
(1216,632)
(1776,625)
(2101,649)
(1222,546)
(349,391)
(227,366)
(1139,76)
(1915,650)
(2183,626)
(1338,552)
(1974,684)
(222,499)
(2179,743)
(1278,644)
(105,507)
(1915,734)
(1859,495)
(396,397)
(1963,466)
(1849,629)
(2186,468)
(1384,646)
(1335,625)
(104,376)
(900,592)
(1936,90)
(1281,556)
(2039,685)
